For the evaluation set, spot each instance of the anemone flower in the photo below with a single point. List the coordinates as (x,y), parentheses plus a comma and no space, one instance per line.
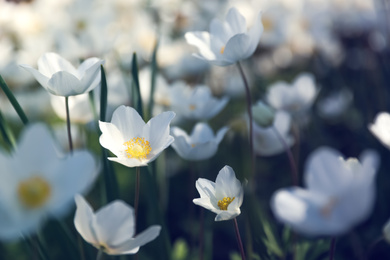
(59,77)
(111,229)
(339,194)
(39,182)
(227,42)
(131,140)
(223,197)
(380,128)
(200,145)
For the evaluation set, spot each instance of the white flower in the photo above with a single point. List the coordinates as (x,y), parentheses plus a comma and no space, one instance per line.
(111,228)
(195,103)
(266,141)
(224,197)
(381,128)
(263,115)
(201,145)
(131,140)
(295,98)
(335,104)
(228,41)
(339,194)
(59,77)
(37,182)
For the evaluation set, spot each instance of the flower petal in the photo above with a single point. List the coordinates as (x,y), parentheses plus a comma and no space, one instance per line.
(82,220)
(226,184)
(50,63)
(128,122)
(236,21)
(63,83)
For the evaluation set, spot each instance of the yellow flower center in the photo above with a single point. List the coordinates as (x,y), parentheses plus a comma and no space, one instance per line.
(137,148)
(222,49)
(34,192)
(192,107)
(224,203)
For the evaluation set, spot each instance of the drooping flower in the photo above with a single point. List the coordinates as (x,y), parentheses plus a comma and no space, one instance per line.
(38,183)
(294,98)
(339,194)
(267,142)
(59,77)
(228,41)
(195,103)
(223,197)
(381,128)
(134,142)
(111,228)
(200,145)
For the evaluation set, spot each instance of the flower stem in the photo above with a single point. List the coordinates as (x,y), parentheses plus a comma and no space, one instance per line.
(332,248)
(294,170)
(239,239)
(201,235)
(68,124)
(136,196)
(99,254)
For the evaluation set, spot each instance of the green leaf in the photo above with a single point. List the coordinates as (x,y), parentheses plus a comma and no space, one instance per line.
(6,132)
(13,101)
(154,69)
(137,101)
(103,94)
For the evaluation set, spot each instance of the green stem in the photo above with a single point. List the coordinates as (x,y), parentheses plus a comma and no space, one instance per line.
(249,110)
(239,239)
(136,197)
(68,124)
(99,254)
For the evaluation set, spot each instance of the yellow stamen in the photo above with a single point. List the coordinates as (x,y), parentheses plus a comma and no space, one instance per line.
(193,145)
(222,49)
(34,192)
(224,203)
(192,107)
(137,148)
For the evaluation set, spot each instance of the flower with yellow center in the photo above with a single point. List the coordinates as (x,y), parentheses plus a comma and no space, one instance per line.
(223,197)
(39,183)
(134,142)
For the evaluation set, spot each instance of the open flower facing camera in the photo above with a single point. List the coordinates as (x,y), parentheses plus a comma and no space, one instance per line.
(134,142)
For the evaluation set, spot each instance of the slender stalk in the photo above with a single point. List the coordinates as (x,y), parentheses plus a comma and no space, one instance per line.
(81,247)
(294,170)
(99,254)
(239,239)
(68,124)
(136,196)
(332,248)
(201,235)
(249,109)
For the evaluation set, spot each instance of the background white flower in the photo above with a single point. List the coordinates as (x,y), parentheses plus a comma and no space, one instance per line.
(111,228)
(61,78)
(134,142)
(228,41)
(200,145)
(381,128)
(339,194)
(224,197)
(38,182)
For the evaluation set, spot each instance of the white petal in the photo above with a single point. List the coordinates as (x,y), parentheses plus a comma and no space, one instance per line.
(63,83)
(82,220)
(236,21)
(156,130)
(91,77)
(254,36)
(202,132)
(226,215)
(221,133)
(381,128)
(206,203)
(236,48)
(50,63)
(115,223)
(226,184)
(129,162)
(201,40)
(111,138)
(128,122)
(42,79)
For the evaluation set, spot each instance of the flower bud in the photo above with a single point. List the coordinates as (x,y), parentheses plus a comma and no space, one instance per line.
(263,115)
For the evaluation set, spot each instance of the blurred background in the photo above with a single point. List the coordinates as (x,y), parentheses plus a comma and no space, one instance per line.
(344,44)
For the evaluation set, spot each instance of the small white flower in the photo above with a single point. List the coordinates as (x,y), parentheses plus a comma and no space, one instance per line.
(339,194)
(111,229)
(294,98)
(37,182)
(131,140)
(195,103)
(61,78)
(266,142)
(224,197)
(381,128)
(228,41)
(200,145)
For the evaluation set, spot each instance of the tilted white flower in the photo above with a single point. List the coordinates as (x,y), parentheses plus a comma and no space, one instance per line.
(61,78)
(228,41)
(200,145)
(266,142)
(339,194)
(39,183)
(111,228)
(131,140)
(381,128)
(224,197)
(195,103)
(294,98)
